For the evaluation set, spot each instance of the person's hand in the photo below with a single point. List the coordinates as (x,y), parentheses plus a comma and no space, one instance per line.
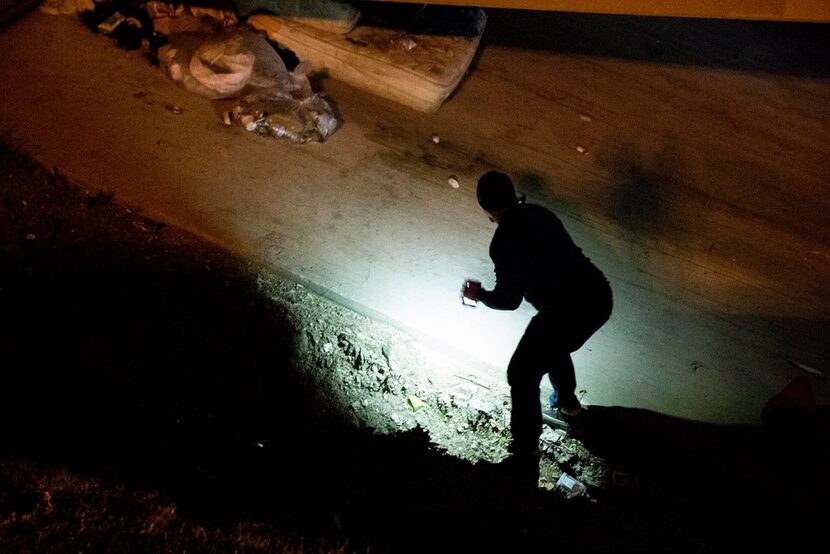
(470,292)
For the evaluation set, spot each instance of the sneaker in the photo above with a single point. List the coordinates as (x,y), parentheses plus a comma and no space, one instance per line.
(570,412)
(553,417)
(561,417)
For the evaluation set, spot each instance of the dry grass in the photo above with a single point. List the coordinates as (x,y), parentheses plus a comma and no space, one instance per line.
(45,509)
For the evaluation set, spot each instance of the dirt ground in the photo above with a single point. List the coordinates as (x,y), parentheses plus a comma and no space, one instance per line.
(159,394)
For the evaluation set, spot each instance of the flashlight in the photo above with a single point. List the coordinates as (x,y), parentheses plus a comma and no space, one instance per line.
(472,288)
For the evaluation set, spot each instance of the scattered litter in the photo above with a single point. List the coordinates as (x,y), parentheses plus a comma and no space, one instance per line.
(436,139)
(241,65)
(175,109)
(581,149)
(570,486)
(205,51)
(586,118)
(215,67)
(473,381)
(453,181)
(415,403)
(111,23)
(299,120)
(550,436)
(247,121)
(808,369)
(328,347)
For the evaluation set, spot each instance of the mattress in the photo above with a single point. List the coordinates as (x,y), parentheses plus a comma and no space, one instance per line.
(418,68)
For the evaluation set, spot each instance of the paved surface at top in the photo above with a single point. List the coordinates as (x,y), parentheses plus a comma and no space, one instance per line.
(689,159)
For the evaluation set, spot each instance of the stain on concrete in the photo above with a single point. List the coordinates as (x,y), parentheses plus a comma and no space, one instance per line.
(641,182)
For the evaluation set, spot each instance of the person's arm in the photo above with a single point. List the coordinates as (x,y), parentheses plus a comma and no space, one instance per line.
(508,293)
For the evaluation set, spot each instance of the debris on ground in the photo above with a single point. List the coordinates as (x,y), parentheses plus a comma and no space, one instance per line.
(208,52)
(570,486)
(240,64)
(414,57)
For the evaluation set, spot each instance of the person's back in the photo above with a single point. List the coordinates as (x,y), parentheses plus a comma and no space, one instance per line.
(534,253)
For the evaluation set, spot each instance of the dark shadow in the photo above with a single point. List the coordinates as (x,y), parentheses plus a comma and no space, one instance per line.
(9,11)
(638,198)
(758,483)
(770,47)
(537,189)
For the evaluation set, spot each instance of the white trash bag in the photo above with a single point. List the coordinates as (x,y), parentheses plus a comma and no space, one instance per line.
(241,64)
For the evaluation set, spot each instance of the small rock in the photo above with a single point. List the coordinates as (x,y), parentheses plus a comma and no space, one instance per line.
(436,139)
(328,347)
(585,117)
(30,236)
(453,181)
(581,150)
(416,403)
(175,109)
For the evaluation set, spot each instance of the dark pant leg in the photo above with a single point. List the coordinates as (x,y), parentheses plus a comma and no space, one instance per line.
(569,327)
(524,373)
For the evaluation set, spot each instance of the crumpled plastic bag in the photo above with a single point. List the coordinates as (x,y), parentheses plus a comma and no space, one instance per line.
(292,111)
(224,67)
(220,66)
(241,64)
